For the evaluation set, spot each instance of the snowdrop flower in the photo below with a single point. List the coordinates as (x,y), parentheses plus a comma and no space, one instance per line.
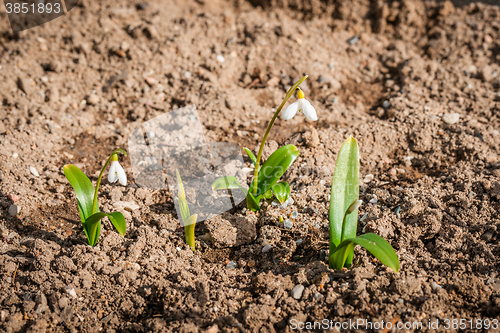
(355,205)
(116,172)
(301,104)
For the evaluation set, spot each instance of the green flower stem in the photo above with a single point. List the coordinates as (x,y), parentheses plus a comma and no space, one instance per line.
(189,234)
(94,203)
(271,123)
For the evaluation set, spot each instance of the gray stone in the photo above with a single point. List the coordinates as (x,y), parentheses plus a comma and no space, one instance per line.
(297,291)
(14,210)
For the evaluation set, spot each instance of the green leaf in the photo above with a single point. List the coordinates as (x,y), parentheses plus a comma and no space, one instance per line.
(251,155)
(375,244)
(189,230)
(183,204)
(274,167)
(228,183)
(93,225)
(345,190)
(281,191)
(83,188)
(252,202)
(267,195)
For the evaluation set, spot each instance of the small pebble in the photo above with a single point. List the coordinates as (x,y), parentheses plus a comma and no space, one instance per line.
(451,118)
(13,197)
(294,215)
(373,201)
(353,40)
(288,224)
(127,205)
(34,172)
(488,235)
(93,99)
(187,74)
(220,58)
(299,241)
(397,210)
(15,155)
(392,172)
(386,104)
(251,263)
(151,81)
(317,296)
(267,248)
(141,5)
(14,210)
(178,248)
(231,265)
(368,178)
(297,291)
(71,291)
(435,286)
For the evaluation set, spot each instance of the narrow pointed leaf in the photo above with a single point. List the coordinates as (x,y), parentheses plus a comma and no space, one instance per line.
(345,190)
(281,191)
(251,155)
(274,167)
(228,183)
(83,188)
(375,244)
(93,225)
(183,204)
(252,202)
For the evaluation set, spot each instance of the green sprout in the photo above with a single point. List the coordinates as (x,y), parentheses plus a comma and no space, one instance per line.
(343,215)
(86,197)
(188,220)
(265,184)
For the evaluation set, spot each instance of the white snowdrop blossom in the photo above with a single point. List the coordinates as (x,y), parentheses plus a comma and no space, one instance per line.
(116,172)
(301,105)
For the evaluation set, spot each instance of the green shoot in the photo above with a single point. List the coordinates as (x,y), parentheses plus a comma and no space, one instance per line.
(86,196)
(343,217)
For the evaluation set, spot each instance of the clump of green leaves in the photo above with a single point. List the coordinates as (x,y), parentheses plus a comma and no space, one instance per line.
(265,184)
(343,215)
(88,206)
(188,220)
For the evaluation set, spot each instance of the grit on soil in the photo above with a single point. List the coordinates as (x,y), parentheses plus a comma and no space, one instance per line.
(416,83)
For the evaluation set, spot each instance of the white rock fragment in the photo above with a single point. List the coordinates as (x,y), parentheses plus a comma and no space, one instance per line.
(15,155)
(220,58)
(297,291)
(267,248)
(368,178)
(127,205)
(451,118)
(34,172)
(14,210)
(71,292)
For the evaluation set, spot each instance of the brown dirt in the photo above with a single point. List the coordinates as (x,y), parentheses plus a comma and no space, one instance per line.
(435,194)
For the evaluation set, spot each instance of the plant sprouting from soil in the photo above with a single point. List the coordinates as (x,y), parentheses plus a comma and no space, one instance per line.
(188,220)
(343,214)
(265,183)
(86,196)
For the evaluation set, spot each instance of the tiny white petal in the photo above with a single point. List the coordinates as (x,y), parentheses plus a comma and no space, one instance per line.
(291,110)
(309,110)
(122,176)
(355,205)
(112,176)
